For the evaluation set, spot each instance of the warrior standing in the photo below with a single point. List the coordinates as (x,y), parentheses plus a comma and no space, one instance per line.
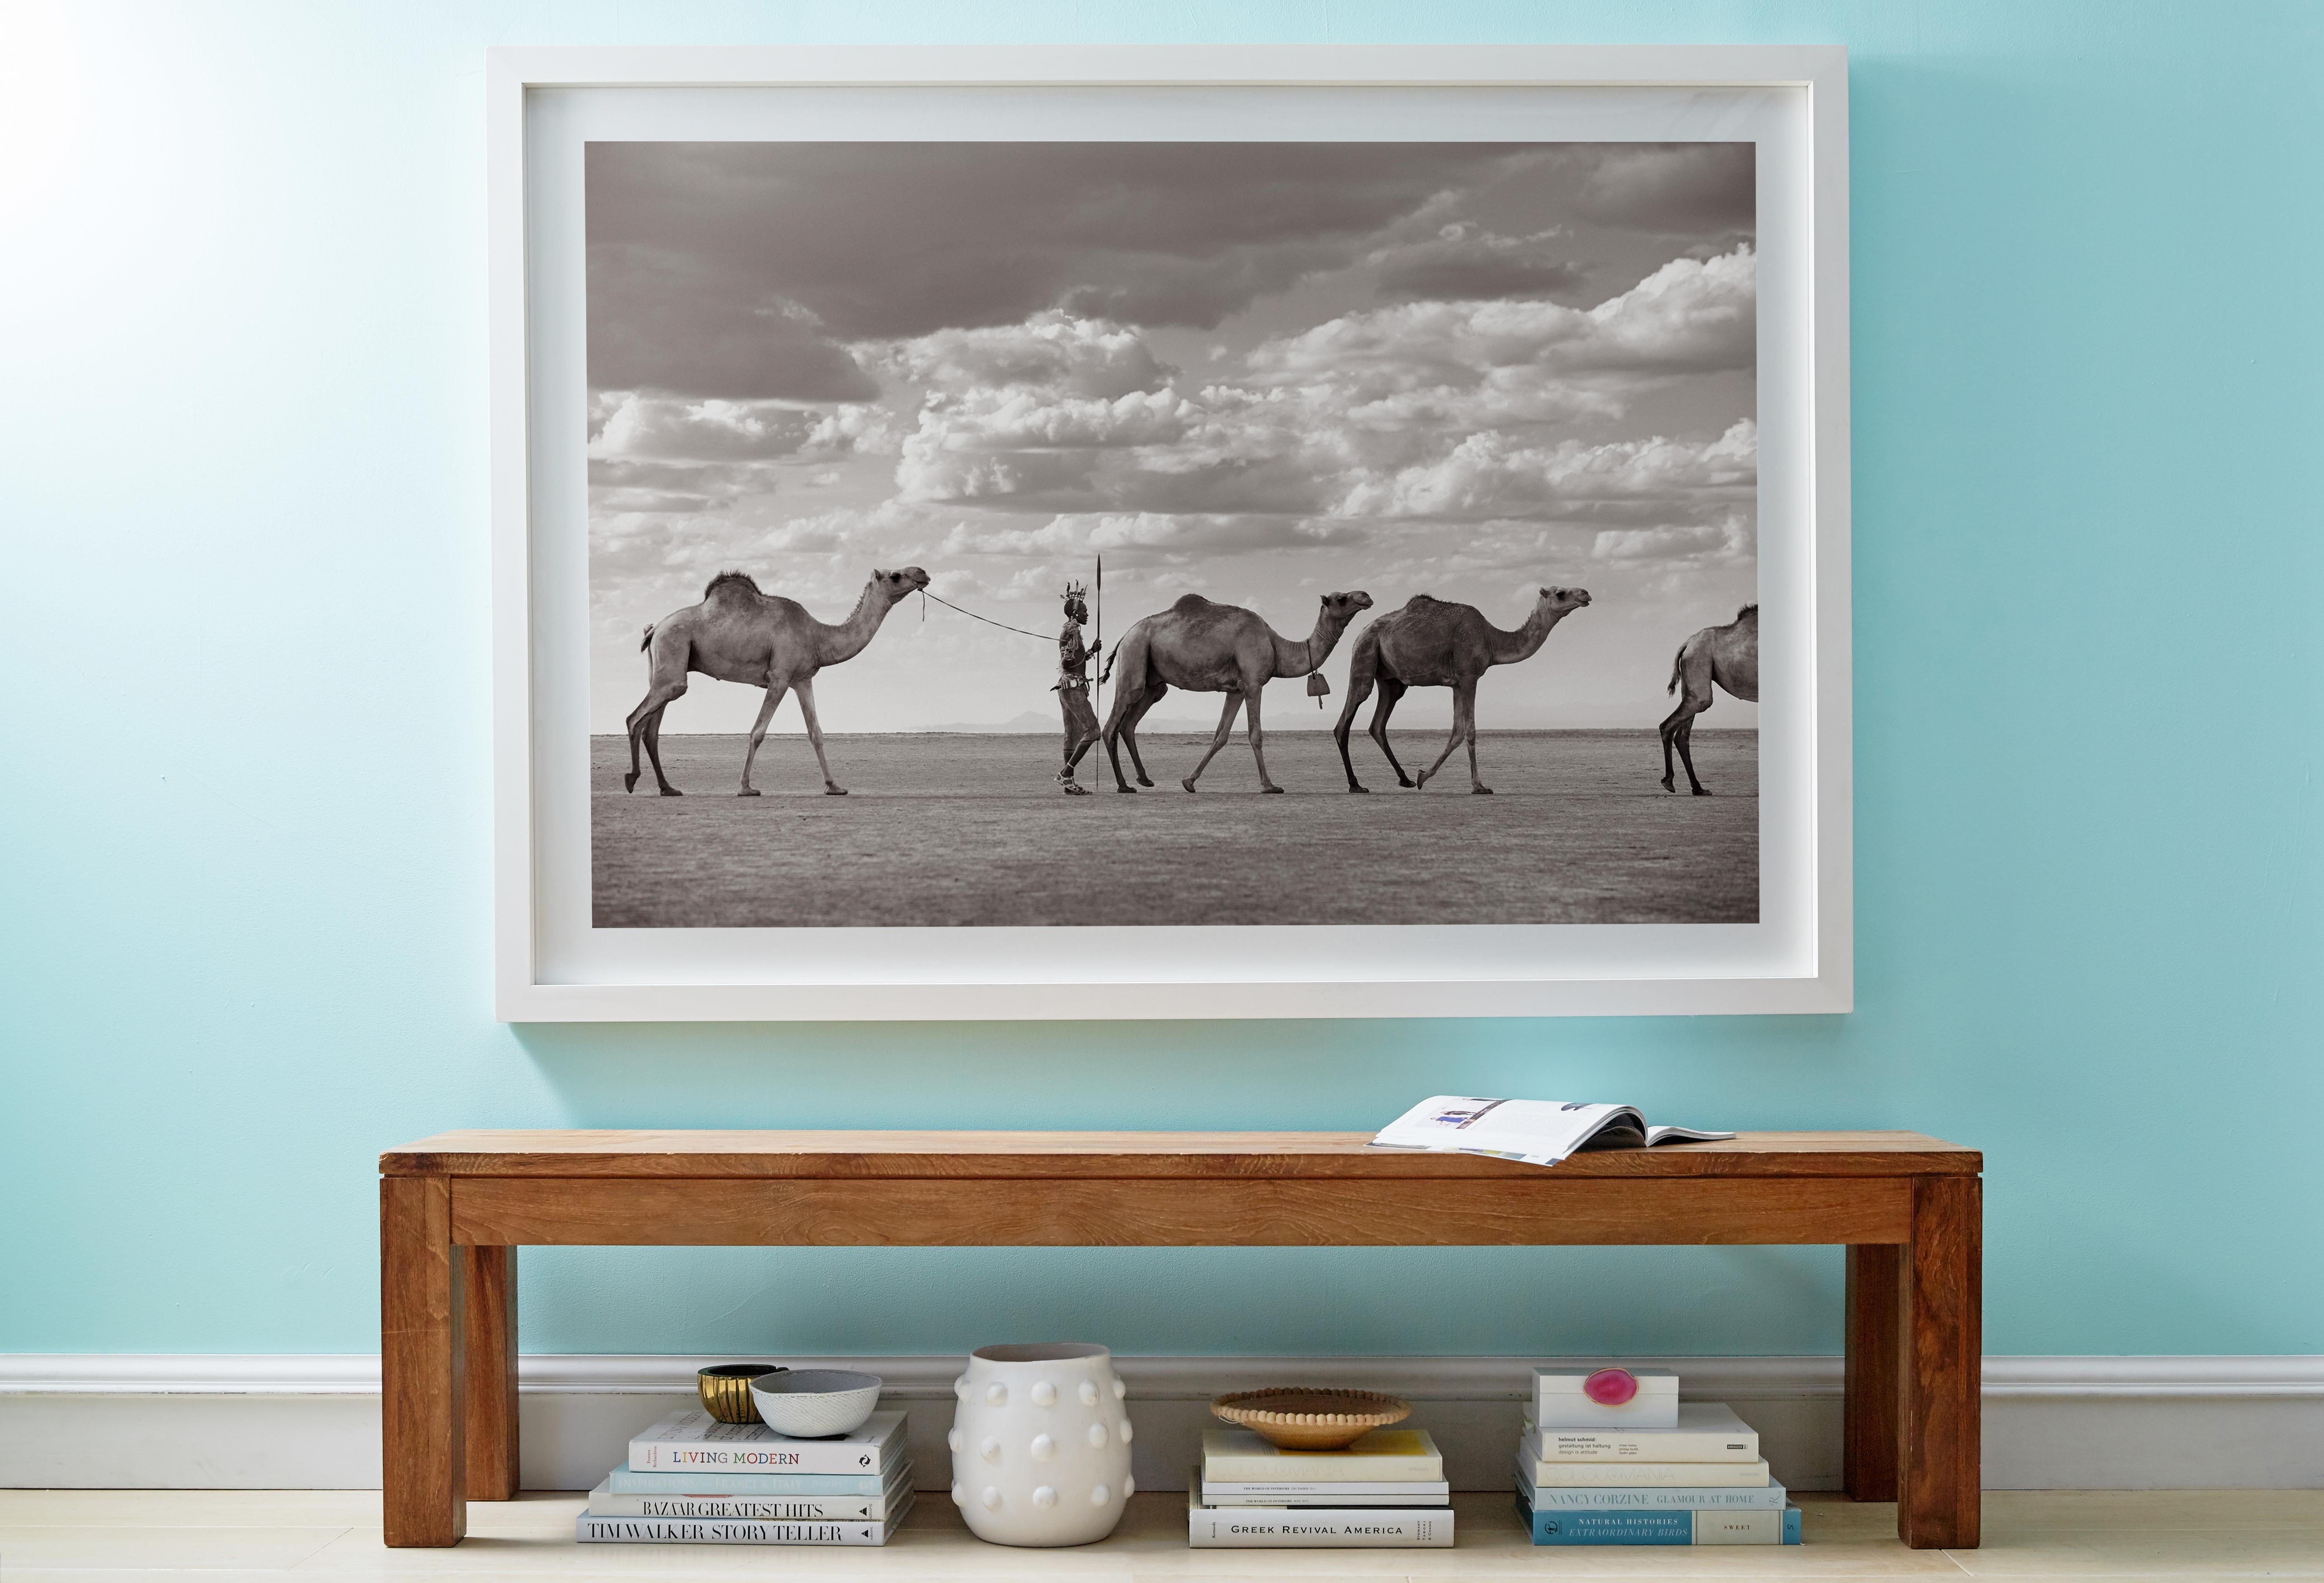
(1073,689)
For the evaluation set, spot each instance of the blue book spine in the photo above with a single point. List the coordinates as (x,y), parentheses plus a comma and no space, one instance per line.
(1630,1525)
(623,1482)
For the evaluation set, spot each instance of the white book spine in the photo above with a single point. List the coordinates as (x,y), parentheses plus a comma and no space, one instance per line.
(588,1530)
(1415,1493)
(1774,1497)
(1234,1528)
(1541,1474)
(744,1508)
(1674,1445)
(693,1442)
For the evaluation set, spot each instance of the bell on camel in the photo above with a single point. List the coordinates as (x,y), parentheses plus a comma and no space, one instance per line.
(1317,687)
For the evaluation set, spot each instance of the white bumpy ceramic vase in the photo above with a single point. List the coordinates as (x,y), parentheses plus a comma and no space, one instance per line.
(1040,1445)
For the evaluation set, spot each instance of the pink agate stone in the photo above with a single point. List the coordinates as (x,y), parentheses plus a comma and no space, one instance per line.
(1611,1387)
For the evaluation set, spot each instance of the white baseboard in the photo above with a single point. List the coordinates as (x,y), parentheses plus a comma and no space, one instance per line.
(71,1420)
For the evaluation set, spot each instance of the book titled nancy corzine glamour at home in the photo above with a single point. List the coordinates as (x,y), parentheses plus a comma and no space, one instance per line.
(694,1441)
(1539,1132)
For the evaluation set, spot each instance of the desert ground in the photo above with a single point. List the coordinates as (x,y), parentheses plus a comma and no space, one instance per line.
(943,829)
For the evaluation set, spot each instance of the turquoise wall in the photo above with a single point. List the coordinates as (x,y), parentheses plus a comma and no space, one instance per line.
(244,837)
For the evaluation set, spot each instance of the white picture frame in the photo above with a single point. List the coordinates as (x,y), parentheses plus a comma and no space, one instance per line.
(551,965)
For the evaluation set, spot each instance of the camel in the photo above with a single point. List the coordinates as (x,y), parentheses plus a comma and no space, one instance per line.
(738,634)
(1433,644)
(1728,655)
(1203,647)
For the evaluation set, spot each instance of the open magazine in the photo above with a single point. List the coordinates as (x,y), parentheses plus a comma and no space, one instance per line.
(1540,1132)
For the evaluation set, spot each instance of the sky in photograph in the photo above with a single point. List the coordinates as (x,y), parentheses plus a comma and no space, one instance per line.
(1259,372)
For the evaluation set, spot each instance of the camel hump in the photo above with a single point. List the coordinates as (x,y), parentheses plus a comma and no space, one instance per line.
(1748,612)
(1190,605)
(1425,602)
(729,584)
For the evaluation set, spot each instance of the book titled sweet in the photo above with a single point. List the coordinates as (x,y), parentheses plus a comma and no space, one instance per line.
(695,1481)
(1382,1456)
(1541,1474)
(1287,1528)
(1538,1132)
(1771,1497)
(604,1502)
(693,1440)
(588,1529)
(1777,1526)
(1707,1431)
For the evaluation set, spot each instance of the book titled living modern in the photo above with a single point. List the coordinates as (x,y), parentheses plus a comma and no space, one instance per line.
(629,1481)
(692,1440)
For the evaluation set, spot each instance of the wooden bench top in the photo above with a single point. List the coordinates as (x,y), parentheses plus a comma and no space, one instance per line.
(714,1154)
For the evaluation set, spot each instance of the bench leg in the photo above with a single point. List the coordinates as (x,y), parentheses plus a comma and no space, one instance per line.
(1943,1365)
(1875,1341)
(422,1466)
(490,1277)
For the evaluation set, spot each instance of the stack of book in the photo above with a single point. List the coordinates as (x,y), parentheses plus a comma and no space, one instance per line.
(1651,1470)
(1387,1490)
(693,1480)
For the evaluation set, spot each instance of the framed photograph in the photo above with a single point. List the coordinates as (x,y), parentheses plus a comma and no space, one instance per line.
(1170,533)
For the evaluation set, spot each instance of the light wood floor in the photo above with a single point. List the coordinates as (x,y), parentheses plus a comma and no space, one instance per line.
(98,1536)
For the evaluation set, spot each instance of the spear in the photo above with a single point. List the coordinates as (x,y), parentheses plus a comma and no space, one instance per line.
(1096,682)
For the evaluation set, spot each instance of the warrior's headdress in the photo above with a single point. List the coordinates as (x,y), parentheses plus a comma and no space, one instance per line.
(1076,590)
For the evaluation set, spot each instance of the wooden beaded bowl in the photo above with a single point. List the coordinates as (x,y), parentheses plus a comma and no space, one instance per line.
(1312,1418)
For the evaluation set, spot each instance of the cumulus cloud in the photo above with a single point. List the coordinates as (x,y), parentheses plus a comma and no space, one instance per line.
(1489,475)
(1050,351)
(1690,316)
(1151,538)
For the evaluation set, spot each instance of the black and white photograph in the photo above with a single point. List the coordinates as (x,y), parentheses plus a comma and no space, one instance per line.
(1090,533)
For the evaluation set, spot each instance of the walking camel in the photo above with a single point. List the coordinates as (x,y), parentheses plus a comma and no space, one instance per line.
(1431,643)
(738,634)
(1728,655)
(1202,647)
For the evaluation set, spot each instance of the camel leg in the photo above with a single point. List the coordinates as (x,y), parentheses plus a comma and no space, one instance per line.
(805,689)
(1678,731)
(1392,693)
(1359,687)
(1226,729)
(1465,714)
(645,721)
(1129,702)
(759,731)
(1129,731)
(1453,740)
(1684,737)
(1257,737)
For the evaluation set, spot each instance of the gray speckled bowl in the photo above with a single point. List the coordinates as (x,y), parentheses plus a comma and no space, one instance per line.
(810,1404)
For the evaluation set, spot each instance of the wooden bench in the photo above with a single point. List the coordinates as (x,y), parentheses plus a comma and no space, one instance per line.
(453,1210)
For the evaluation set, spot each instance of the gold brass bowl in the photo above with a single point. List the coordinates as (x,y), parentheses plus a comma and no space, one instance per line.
(1307,1417)
(725,1389)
